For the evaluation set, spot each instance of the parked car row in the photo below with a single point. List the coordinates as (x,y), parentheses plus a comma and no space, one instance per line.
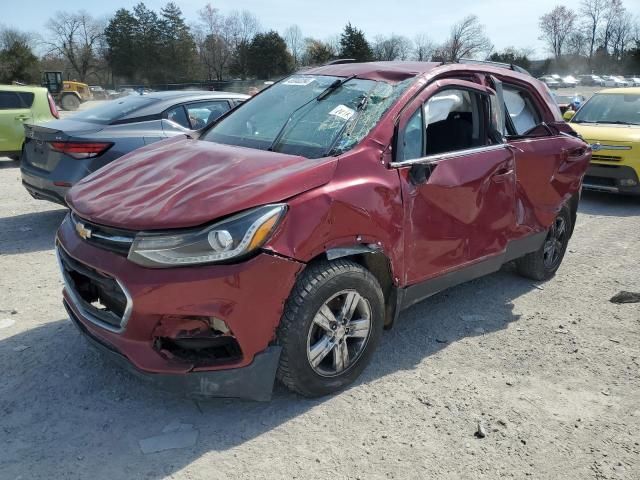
(282,238)
(556,81)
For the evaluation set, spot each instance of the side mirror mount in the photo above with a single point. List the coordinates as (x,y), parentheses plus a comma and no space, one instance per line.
(568,115)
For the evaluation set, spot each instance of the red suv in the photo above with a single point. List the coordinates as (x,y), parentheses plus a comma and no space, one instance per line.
(285,238)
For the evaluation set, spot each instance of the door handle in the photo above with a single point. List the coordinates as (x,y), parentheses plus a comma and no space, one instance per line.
(502,174)
(573,154)
(22,117)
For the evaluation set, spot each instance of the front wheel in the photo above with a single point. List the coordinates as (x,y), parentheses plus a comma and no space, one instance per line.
(331,325)
(70,102)
(543,263)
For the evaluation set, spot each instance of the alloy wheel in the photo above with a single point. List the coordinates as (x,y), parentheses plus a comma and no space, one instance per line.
(339,333)
(554,243)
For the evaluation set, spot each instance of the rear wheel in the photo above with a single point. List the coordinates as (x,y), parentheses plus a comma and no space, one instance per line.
(70,102)
(331,325)
(543,263)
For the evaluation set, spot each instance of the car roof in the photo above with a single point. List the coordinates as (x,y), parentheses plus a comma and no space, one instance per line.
(622,90)
(179,94)
(385,71)
(21,88)
(164,100)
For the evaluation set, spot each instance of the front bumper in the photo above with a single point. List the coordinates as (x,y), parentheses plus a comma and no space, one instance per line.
(249,297)
(611,178)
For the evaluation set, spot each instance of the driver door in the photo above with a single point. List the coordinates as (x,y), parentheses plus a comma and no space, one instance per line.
(458,182)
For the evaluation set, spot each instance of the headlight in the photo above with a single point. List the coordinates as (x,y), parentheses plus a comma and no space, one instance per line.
(229,239)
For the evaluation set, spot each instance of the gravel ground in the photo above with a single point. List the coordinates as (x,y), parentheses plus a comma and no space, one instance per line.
(549,370)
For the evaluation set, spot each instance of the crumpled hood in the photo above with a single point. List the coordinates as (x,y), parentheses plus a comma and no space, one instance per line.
(182,183)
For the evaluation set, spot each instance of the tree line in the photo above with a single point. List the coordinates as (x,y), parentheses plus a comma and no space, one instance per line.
(143,46)
(600,37)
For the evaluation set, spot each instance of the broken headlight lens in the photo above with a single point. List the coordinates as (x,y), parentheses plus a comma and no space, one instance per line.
(229,239)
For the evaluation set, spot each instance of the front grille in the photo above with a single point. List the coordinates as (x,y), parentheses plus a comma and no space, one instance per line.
(108,238)
(99,296)
(606,158)
(600,181)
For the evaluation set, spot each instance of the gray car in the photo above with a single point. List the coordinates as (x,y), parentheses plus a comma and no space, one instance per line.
(58,154)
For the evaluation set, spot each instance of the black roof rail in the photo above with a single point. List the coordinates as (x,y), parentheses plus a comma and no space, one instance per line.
(340,61)
(510,66)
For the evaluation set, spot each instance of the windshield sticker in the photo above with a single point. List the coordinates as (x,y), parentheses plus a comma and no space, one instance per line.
(342,111)
(299,81)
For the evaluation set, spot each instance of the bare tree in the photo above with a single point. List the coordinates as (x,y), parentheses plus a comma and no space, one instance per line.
(295,43)
(577,44)
(556,26)
(423,48)
(467,39)
(621,35)
(394,47)
(243,25)
(593,11)
(213,38)
(616,27)
(75,36)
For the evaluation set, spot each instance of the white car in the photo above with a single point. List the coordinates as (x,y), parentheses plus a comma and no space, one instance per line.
(570,81)
(633,81)
(614,81)
(550,81)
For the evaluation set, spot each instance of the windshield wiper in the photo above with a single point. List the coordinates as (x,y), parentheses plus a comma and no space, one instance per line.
(333,87)
(324,94)
(619,122)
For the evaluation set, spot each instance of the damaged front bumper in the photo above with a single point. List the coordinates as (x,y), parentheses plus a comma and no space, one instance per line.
(253,382)
(206,331)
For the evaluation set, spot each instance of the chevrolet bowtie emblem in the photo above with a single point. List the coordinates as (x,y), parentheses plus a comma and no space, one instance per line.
(83,231)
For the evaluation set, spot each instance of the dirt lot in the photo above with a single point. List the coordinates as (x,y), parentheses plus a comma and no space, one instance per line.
(551,371)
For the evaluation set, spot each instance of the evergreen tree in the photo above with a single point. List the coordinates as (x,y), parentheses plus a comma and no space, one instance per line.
(121,44)
(17,61)
(353,44)
(178,46)
(268,56)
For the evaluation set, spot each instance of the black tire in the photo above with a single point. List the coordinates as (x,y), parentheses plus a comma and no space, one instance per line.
(537,265)
(69,102)
(319,284)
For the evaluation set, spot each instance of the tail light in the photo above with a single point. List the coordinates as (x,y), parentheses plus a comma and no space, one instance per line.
(81,150)
(52,106)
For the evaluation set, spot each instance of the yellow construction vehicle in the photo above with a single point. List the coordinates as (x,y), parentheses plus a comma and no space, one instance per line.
(68,94)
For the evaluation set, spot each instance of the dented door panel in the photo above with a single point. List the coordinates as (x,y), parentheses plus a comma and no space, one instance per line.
(550,171)
(463,212)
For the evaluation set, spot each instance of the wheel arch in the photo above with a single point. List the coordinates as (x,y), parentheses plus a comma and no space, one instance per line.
(378,264)
(573,203)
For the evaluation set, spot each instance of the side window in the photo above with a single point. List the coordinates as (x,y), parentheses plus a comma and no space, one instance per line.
(203,113)
(178,115)
(454,121)
(10,101)
(521,111)
(26,98)
(412,143)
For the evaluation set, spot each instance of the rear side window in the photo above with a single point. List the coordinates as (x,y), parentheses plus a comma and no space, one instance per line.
(15,100)
(521,110)
(203,113)
(179,116)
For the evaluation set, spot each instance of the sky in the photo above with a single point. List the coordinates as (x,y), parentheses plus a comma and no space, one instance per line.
(508,23)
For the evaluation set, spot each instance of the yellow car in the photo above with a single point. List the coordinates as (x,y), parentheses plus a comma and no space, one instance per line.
(610,122)
(19,105)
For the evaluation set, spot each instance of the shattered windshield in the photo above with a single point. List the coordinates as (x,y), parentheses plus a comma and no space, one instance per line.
(308,115)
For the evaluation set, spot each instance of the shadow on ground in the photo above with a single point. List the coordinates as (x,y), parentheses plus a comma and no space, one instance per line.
(609,204)
(29,232)
(6,162)
(67,412)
